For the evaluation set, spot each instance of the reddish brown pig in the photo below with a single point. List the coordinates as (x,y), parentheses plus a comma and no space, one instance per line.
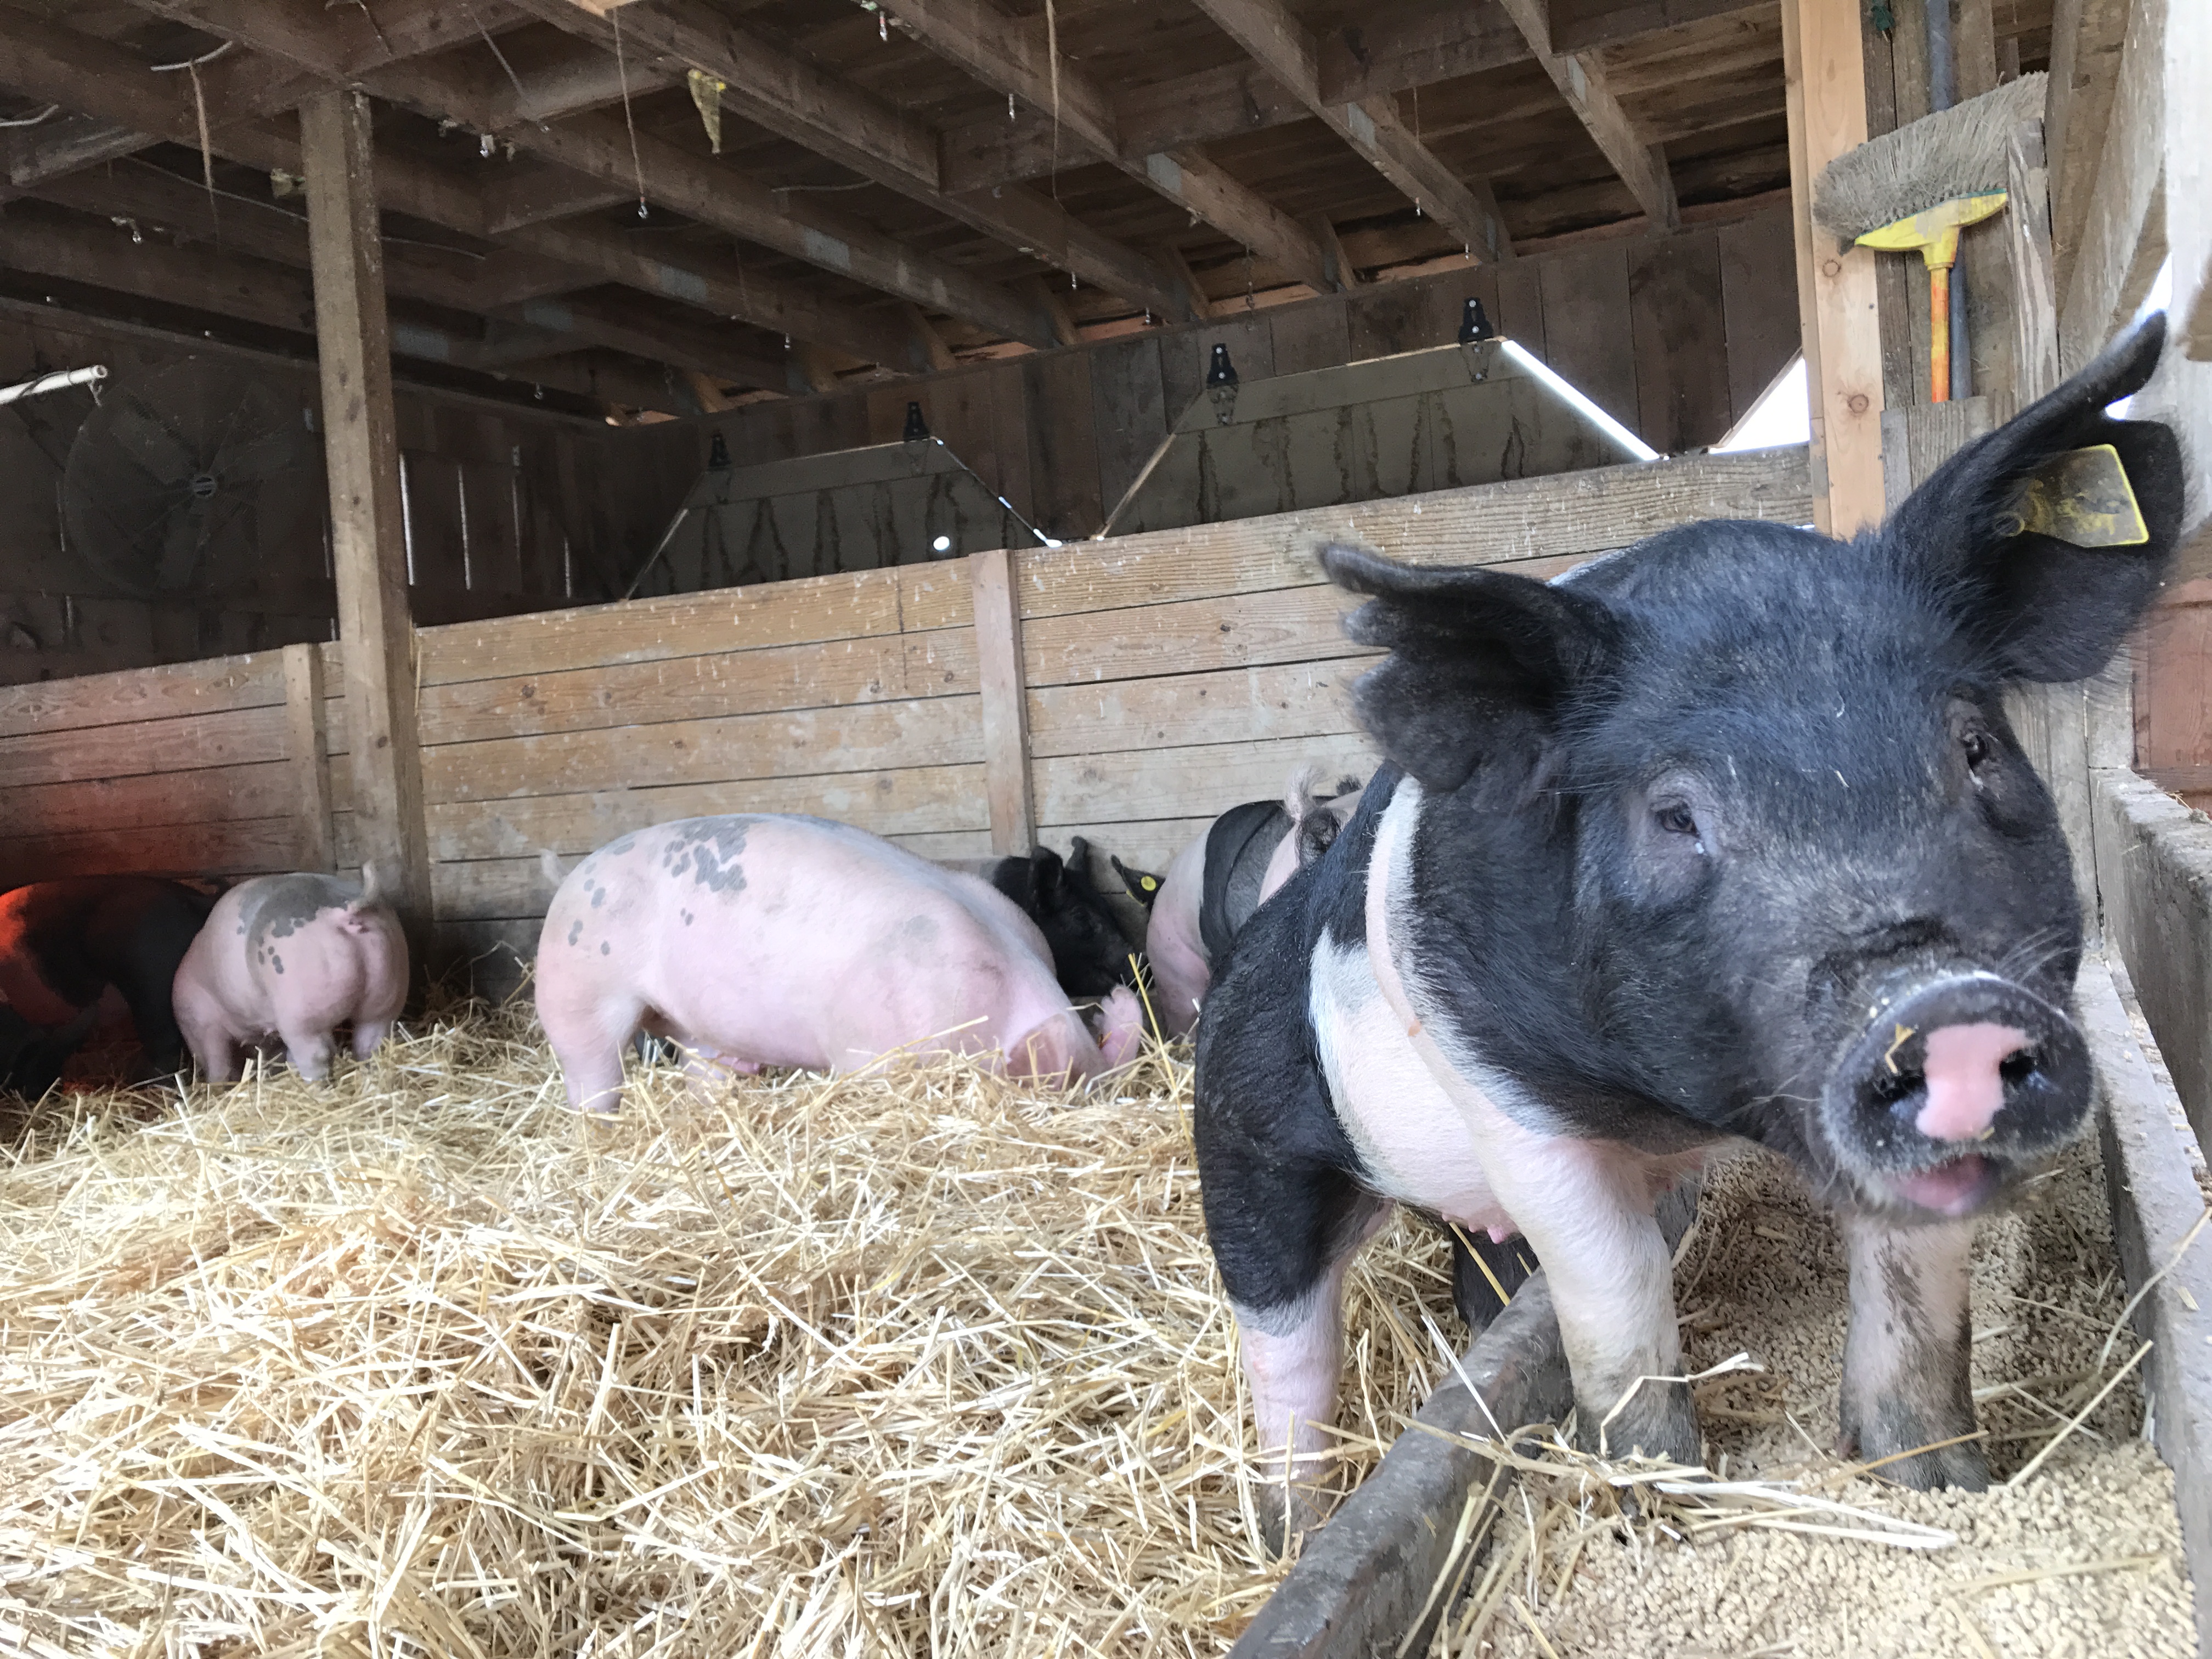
(293,956)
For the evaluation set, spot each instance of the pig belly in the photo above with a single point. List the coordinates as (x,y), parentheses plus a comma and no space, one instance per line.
(1181,975)
(1413,1137)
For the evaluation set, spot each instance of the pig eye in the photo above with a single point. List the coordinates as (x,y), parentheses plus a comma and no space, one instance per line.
(1675,818)
(1978,749)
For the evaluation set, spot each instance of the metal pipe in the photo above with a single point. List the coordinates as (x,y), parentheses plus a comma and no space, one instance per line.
(1942,93)
(55,382)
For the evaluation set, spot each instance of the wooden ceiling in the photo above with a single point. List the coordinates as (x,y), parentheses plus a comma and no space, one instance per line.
(900,184)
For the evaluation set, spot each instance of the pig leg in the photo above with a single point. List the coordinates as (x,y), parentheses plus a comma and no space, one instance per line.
(368,1036)
(588,1041)
(1587,1210)
(310,1052)
(1906,1376)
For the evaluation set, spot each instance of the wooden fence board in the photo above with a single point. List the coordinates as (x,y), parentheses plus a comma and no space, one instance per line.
(1578,512)
(1193,783)
(848,605)
(1589,327)
(142,693)
(856,738)
(242,847)
(1140,843)
(236,738)
(883,667)
(1292,624)
(211,794)
(904,800)
(1280,701)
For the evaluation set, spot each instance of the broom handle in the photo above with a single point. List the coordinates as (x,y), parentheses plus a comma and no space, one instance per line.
(1939,334)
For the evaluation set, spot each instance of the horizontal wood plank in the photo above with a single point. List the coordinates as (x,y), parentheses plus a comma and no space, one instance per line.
(236,736)
(1578,512)
(211,795)
(211,687)
(1200,782)
(1140,843)
(1287,700)
(858,738)
(906,800)
(244,847)
(1294,624)
(820,674)
(852,605)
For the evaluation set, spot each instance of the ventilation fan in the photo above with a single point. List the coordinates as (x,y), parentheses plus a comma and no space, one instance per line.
(173,470)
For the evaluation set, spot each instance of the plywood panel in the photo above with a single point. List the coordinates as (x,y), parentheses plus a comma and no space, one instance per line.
(1680,341)
(1195,782)
(903,801)
(1759,304)
(1589,330)
(940,663)
(1128,411)
(1064,459)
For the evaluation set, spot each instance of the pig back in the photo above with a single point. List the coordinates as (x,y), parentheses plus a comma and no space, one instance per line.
(299,950)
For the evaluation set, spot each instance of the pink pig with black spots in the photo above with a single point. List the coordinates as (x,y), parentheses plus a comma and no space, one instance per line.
(756,939)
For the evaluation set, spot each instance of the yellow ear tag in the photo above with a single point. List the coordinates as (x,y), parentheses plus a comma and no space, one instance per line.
(2083,498)
(1148,884)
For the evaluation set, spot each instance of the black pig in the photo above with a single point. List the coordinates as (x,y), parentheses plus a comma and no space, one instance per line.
(1724,838)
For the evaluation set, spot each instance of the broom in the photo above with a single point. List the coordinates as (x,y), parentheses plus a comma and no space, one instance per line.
(1914,189)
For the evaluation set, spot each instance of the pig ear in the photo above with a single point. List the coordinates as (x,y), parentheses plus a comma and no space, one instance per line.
(1476,658)
(2044,606)
(1045,872)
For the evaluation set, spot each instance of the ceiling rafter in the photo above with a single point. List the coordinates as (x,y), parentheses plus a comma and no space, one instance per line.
(1008,55)
(774,88)
(1581,78)
(58,65)
(1280,43)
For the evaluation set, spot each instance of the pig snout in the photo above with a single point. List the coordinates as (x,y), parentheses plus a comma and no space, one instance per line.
(1953,1081)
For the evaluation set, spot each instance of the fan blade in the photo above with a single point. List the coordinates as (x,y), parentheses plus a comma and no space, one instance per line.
(143,438)
(182,543)
(262,456)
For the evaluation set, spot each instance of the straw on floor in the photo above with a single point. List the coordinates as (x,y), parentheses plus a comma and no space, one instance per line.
(916,1363)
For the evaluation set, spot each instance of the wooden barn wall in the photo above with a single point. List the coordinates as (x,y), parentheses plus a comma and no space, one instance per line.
(1168,676)
(197,769)
(1675,334)
(498,548)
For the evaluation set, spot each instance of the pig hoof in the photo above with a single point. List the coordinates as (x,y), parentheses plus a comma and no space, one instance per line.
(1281,1523)
(1963,1467)
(1660,1422)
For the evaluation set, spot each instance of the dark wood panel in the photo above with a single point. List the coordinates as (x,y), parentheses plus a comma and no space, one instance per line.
(1681,341)
(1589,328)
(1759,300)
(1064,474)
(1128,410)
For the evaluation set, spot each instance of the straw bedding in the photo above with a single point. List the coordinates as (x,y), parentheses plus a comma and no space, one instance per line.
(920,1363)
(916,1363)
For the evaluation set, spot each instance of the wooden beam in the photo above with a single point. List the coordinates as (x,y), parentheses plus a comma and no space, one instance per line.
(1282,45)
(992,590)
(600,146)
(1837,309)
(2122,233)
(774,88)
(307,746)
(2034,294)
(1012,56)
(361,449)
(1581,78)
(2085,39)
(1582,25)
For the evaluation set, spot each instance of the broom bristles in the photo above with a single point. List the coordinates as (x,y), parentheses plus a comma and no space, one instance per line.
(1959,151)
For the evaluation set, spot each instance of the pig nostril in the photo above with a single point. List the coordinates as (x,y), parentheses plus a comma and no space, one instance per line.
(2017,1068)
(1890,1087)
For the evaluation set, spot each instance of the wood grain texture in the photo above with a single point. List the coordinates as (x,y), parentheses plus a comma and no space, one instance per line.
(1000,678)
(1293,700)
(1188,783)
(2122,239)
(1679,332)
(308,755)
(211,687)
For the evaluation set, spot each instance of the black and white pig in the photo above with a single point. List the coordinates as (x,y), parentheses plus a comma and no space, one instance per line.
(1724,838)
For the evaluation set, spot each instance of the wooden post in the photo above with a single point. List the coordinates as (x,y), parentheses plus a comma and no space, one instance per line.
(1825,79)
(361,450)
(2035,293)
(1005,700)
(307,746)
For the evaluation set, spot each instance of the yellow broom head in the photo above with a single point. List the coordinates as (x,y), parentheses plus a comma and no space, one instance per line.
(1959,151)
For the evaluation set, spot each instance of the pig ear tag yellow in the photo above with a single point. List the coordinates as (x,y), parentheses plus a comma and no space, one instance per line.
(2082,497)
